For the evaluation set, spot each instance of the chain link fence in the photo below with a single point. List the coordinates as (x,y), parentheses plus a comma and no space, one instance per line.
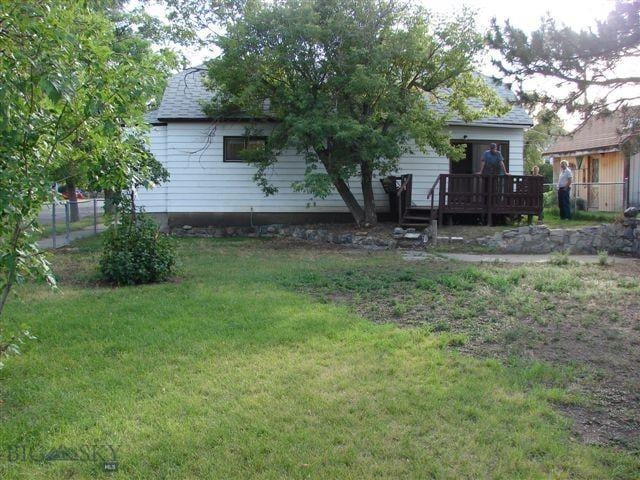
(63,221)
(591,197)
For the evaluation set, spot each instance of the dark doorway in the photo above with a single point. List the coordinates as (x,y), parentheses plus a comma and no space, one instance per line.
(474,149)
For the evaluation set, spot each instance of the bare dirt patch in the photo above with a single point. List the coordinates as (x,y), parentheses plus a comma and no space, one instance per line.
(582,319)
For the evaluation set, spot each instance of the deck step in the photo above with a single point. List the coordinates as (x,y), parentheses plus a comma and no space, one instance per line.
(413,225)
(425,218)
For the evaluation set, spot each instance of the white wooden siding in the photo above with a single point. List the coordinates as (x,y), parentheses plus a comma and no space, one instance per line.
(201,182)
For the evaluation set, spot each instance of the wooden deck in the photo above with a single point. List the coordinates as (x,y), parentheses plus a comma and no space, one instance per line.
(462,194)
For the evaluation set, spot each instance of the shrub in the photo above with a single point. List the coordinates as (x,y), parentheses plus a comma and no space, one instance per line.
(550,199)
(559,259)
(136,252)
(603,257)
(579,204)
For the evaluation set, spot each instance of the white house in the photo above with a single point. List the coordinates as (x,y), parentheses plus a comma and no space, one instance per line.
(210,185)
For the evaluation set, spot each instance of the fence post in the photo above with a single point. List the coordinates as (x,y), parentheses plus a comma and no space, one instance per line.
(625,193)
(67,213)
(95,216)
(53,222)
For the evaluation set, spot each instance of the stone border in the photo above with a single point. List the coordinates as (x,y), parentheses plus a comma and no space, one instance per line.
(621,237)
(305,233)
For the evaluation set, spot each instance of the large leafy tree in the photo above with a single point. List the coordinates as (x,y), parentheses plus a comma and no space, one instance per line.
(140,38)
(66,92)
(546,129)
(588,68)
(351,84)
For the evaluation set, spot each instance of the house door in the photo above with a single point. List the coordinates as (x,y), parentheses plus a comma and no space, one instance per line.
(474,149)
(593,200)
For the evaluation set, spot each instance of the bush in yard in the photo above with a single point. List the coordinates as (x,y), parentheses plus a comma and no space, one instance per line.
(136,252)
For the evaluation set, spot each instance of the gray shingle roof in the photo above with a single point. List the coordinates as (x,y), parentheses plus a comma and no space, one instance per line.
(151,117)
(516,116)
(185,94)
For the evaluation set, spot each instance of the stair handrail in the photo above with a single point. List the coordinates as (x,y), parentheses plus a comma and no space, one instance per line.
(403,185)
(431,193)
(402,188)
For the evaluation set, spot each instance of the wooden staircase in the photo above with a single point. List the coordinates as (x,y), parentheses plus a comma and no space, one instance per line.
(409,215)
(418,217)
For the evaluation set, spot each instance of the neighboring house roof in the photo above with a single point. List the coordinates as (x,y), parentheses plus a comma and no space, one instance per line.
(598,134)
(186,93)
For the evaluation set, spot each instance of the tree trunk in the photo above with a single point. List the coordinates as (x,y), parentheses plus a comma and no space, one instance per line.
(109,205)
(343,189)
(74,211)
(350,201)
(366,179)
(11,273)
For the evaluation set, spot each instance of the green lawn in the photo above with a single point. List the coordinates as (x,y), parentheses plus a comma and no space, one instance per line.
(231,371)
(578,218)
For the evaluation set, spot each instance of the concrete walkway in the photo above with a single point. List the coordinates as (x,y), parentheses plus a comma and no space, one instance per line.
(509,258)
(61,238)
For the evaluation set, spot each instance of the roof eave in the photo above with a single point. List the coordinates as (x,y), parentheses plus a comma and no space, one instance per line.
(489,124)
(575,152)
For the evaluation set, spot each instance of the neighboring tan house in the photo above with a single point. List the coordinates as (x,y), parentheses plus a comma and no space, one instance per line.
(210,184)
(605,175)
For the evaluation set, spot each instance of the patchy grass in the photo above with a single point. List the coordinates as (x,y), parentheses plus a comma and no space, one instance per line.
(256,364)
(578,219)
(561,312)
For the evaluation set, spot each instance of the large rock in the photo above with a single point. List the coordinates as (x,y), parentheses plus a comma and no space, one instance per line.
(631,212)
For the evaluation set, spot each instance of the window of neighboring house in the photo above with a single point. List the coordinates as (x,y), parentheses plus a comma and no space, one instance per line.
(233,147)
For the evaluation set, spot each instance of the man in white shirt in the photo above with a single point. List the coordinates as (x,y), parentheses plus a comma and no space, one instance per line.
(564,188)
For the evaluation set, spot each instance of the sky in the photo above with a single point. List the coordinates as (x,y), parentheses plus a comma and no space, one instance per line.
(522,14)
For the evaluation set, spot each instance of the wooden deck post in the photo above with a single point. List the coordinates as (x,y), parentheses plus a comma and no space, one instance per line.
(489,200)
(434,231)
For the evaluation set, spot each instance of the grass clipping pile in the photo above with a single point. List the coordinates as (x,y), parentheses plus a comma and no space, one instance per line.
(582,319)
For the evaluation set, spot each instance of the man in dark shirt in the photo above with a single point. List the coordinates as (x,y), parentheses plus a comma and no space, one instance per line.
(492,162)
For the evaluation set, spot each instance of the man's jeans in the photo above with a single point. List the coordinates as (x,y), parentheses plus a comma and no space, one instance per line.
(563,203)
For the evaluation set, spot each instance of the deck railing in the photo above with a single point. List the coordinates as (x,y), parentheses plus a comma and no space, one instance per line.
(488,194)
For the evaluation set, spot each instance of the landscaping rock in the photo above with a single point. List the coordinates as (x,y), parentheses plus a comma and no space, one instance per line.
(412,235)
(618,237)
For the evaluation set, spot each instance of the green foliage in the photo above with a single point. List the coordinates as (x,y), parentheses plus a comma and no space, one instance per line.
(11,345)
(603,258)
(135,252)
(548,127)
(351,84)
(558,259)
(75,86)
(586,62)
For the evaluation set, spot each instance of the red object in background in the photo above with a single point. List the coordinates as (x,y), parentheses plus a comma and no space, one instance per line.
(79,194)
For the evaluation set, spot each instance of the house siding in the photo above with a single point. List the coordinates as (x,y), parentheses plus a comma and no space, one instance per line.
(201,182)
